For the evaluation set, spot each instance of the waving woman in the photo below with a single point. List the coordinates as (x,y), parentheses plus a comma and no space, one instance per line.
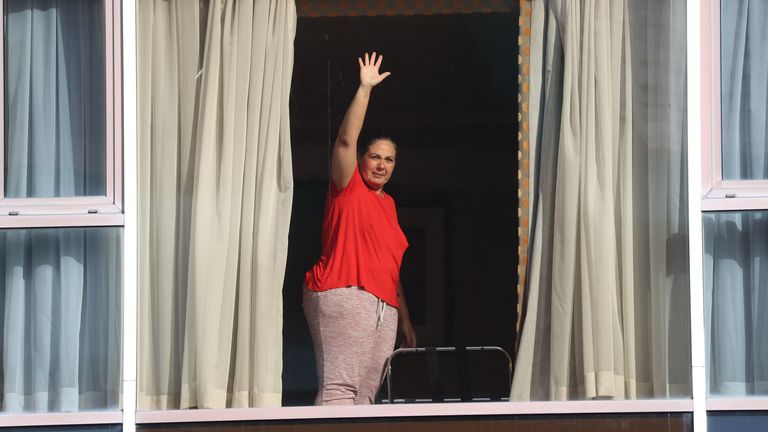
(353,299)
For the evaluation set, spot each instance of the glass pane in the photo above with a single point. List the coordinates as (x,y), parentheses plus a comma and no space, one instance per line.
(55,104)
(60,313)
(744,63)
(736,301)
(742,421)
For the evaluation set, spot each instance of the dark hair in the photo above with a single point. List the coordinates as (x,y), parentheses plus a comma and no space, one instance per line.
(363,149)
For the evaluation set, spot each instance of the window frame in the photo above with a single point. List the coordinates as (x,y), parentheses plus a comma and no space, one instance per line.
(61,419)
(125,108)
(572,407)
(445,409)
(719,194)
(72,212)
(105,210)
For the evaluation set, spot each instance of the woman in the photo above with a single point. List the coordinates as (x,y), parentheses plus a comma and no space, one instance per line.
(353,299)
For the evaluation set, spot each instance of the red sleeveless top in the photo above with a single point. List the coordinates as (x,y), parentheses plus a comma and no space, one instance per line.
(363,244)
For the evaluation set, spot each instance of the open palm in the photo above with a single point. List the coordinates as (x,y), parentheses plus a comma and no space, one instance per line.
(369,70)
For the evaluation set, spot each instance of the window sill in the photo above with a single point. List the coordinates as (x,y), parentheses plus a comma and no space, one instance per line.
(61,419)
(416,410)
(62,220)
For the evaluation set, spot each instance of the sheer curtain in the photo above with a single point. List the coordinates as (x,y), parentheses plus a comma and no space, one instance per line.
(59,288)
(61,318)
(609,258)
(55,100)
(736,243)
(744,72)
(216,189)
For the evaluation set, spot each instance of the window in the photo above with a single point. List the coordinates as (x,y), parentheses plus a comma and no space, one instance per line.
(61,318)
(61,207)
(54,233)
(734,163)
(735,222)
(194,192)
(451,107)
(61,148)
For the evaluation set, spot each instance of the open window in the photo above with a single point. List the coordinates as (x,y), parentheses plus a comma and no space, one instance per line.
(451,106)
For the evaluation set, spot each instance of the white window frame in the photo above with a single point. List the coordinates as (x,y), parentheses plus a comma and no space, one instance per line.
(85,212)
(716,193)
(719,194)
(106,210)
(132,416)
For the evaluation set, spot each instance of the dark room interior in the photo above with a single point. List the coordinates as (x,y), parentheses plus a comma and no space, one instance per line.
(451,106)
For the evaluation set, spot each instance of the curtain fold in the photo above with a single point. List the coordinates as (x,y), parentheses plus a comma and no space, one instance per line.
(216,175)
(61,319)
(736,243)
(744,72)
(608,259)
(735,283)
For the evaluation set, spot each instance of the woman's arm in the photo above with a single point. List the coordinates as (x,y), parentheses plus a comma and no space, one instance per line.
(344,157)
(404,320)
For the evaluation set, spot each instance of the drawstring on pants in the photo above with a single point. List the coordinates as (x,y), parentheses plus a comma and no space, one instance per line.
(381,309)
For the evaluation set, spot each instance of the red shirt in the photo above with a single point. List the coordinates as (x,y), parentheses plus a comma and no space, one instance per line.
(363,244)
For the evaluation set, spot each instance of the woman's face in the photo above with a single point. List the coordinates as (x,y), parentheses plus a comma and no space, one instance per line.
(377,164)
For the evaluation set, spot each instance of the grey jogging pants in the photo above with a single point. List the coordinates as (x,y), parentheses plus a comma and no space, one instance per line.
(353,333)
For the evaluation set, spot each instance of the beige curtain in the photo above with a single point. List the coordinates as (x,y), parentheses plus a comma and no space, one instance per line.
(605,268)
(215,191)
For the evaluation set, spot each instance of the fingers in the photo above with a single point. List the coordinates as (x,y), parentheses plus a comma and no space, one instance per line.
(408,336)
(369,68)
(410,341)
(372,60)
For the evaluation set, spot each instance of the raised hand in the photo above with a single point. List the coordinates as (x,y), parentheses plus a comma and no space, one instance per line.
(369,70)
(344,158)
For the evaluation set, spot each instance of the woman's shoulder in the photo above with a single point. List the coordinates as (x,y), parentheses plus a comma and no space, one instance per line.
(355,183)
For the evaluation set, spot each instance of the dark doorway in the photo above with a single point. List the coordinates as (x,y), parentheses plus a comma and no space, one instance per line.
(451,105)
